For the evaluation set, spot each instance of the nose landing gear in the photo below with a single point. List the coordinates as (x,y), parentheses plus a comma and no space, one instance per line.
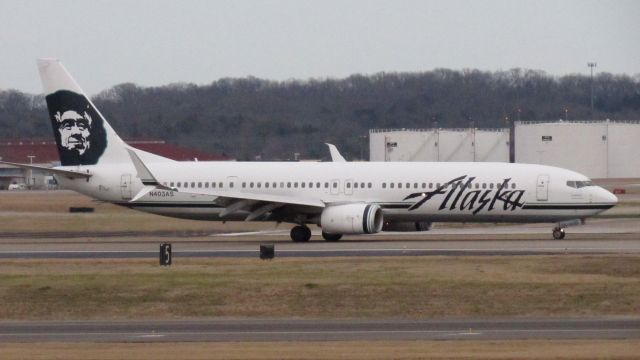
(558,233)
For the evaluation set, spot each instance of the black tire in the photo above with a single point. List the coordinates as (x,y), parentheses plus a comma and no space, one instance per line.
(300,234)
(558,234)
(331,237)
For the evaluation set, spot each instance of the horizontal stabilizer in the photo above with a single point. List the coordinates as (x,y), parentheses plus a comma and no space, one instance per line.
(67,173)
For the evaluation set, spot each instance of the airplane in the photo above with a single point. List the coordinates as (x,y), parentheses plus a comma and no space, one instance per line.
(342,198)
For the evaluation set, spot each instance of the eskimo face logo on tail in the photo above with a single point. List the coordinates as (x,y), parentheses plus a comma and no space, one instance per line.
(77,127)
(458,194)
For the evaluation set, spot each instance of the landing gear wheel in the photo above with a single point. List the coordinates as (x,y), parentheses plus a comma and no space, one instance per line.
(558,233)
(331,237)
(300,234)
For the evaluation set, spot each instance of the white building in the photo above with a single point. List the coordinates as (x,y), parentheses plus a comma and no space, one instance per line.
(598,149)
(439,145)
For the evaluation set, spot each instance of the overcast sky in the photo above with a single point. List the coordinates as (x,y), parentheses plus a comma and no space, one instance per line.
(104,43)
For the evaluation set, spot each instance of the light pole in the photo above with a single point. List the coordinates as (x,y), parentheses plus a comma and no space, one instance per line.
(591,65)
(30,181)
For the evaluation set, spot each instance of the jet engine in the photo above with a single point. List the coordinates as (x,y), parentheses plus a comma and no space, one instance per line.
(351,219)
(406,226)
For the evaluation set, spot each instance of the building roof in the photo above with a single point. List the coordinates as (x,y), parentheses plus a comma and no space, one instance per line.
(45,151)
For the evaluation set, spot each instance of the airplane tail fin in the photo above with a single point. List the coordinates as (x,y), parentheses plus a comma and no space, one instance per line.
(82,134)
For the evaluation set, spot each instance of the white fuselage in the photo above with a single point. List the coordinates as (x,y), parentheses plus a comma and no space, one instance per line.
(485,192)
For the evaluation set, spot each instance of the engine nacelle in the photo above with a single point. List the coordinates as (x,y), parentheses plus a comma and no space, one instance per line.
(406,226)
(351,219)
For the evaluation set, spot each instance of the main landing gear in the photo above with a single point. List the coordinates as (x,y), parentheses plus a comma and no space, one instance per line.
(558,233)
(331,237)
(300,233)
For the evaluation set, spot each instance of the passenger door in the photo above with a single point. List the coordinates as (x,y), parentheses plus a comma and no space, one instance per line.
(125,186)
(542,188)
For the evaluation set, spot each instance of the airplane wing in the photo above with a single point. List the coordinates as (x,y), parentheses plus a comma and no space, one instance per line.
(259,204)
(66,173)
(335,154)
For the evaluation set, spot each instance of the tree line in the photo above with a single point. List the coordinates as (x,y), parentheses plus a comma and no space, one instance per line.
(249,117)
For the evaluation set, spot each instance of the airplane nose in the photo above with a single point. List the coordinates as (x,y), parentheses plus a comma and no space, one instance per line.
(606,196)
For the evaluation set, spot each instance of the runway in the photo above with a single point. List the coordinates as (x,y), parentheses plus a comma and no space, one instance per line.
(146,249)
(318,330)
(600,236)
(181,249)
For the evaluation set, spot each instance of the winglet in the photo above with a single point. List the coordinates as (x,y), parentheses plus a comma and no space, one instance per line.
(144,174)
(335,154)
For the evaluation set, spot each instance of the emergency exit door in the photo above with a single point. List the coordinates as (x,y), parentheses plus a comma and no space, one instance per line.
(542,188)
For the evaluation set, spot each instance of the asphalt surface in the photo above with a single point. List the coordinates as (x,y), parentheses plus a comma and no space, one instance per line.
(320,330)
(380,247)
(599,236)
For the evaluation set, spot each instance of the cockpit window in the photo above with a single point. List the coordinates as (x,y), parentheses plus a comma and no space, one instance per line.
(579,184)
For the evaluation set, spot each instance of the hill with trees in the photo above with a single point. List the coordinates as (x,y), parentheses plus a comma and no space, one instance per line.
(250,117)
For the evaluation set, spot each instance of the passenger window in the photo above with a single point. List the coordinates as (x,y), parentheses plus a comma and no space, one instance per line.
(288,184)
(484,185)
(266,185)
(491,186)
(302,184)
(424,185)
(430,185)
(318,185)
(206,185)
(281,184)
(438,185)
(171,184)
(362,185)
(369,185)
(335,185)
(513,185)
(384,185)
(355,185)
(199,185)
(251,185)
(274,185)
(295,184)
(310,185)
(326,185)
(244,184)
(213,185)
(391,185)
(348,185)
(399,185)
(220,185)
(230,184)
